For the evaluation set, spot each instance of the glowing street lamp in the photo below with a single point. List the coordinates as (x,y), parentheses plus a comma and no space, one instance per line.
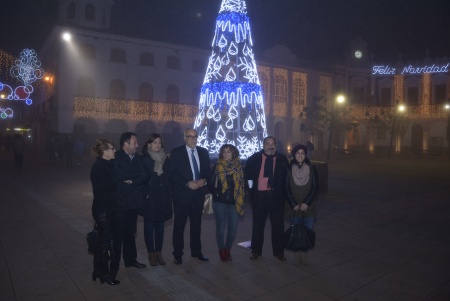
(399,109)
(340,99)
(66,37)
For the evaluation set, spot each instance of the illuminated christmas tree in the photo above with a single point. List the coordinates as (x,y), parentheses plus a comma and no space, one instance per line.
(231,107)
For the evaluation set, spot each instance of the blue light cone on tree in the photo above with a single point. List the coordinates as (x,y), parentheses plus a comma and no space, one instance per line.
(231,106)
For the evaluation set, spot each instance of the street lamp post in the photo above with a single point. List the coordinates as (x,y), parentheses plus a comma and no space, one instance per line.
(340,99)
(447,109)
(399,109)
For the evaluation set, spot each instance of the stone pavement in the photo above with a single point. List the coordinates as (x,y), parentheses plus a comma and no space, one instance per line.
(382,234)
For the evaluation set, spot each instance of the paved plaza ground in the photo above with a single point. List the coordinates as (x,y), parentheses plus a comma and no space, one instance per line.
(382,234)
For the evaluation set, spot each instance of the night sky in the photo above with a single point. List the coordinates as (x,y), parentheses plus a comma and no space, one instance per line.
(315,30)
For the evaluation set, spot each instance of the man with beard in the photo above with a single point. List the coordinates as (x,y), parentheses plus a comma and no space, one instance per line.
(267,171)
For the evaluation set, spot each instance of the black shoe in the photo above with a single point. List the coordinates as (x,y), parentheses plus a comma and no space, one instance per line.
(178,260)
(109,281)
(136,265)
(201,257)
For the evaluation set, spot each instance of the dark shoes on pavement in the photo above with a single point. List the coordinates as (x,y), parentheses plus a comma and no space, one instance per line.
(178,260)
(280,257)
(104,278)
(136,265)
(201,257)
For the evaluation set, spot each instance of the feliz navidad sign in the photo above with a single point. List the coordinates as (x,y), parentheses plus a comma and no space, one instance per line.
(388,70)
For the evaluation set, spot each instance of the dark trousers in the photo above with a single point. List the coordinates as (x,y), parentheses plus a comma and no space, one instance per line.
(264,206)
(124,231)
(154,235)
(193,209)
(104,235)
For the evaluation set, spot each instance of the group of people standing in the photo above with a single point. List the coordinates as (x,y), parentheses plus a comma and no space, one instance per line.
(156,185)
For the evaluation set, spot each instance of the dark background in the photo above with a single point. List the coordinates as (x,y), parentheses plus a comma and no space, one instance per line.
(315,30)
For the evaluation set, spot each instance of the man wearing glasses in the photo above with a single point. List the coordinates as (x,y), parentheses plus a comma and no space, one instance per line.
(189,167)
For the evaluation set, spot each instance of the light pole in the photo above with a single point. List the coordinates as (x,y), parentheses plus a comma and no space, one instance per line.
(340,99)
(447,109)
(399,109)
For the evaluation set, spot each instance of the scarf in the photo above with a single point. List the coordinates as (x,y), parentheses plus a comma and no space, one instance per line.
(234,168)
(300,174)
(268,169)
(159,158)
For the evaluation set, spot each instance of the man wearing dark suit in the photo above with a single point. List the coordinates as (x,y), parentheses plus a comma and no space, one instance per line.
(268,170)
(132,176)
(189,167)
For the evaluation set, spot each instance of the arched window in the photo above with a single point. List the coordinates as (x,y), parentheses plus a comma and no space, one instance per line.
(198,66)
(172,94)
(146,92)
(71,11)
(87,51)
(86,87)
(146,59)
(89,12)
(118,55)
(173,62)
(117,89)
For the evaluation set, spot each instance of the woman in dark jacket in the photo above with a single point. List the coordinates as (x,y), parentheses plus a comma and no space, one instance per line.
(157,206)
(103,207)
(301,187)
(227,188)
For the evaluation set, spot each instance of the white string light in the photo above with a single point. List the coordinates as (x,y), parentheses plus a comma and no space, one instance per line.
(231,106)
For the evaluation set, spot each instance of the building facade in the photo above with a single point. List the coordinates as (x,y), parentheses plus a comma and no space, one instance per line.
(102,84)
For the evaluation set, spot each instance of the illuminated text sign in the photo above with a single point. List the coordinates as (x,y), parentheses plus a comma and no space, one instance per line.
(388,70)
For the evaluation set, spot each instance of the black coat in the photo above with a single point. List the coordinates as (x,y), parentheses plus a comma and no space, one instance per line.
(104,185)
(252,169)
(157,205)
(130,196)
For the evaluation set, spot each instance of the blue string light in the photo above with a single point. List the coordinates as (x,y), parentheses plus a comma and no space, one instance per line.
(231,106)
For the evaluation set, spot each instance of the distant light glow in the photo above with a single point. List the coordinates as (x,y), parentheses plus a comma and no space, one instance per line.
(67,37)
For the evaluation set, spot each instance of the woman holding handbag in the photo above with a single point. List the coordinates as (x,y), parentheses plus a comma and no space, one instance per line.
(227,188)
(103,207)
(302,186)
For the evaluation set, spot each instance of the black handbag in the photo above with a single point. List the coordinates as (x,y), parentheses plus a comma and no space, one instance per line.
(298,238)
(91,238)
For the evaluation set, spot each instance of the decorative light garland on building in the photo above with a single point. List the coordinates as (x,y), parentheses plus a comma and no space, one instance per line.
(231,105)
(91,107)
(299,93)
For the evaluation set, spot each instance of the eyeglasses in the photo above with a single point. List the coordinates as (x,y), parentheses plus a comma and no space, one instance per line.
(191,137)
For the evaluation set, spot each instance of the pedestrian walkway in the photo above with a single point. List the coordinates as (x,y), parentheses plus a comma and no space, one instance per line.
(382,234)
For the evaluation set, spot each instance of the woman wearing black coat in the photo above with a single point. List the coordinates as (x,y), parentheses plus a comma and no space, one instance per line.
(157,206)
(103,207)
